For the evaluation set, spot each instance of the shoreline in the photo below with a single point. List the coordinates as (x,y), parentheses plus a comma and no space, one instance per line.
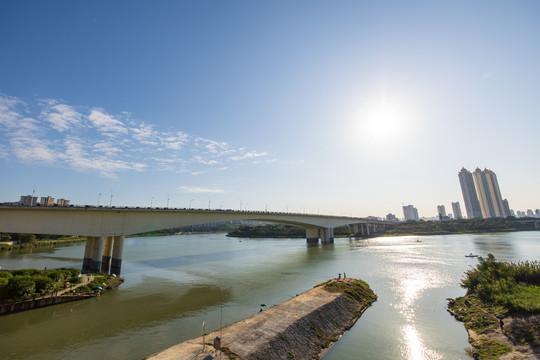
(499,336)
(60,297)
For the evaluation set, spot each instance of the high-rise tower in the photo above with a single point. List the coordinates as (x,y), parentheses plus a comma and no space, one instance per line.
(472,205)
(457,210)
(489,194)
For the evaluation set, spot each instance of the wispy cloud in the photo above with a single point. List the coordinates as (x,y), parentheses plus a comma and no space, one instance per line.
(50,132)
(106,123)
(61,116)
(248,155)
(200,190)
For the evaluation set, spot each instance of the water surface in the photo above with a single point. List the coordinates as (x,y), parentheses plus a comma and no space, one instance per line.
(175,283)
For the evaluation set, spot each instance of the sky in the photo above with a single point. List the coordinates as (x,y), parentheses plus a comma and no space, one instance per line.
(332,107)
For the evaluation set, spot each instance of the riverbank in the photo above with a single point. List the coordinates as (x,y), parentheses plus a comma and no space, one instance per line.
(501,310)
(493,335)
(300,328)
(10,246)
(88,286)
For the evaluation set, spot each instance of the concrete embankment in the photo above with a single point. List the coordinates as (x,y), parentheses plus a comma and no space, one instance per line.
(299,328)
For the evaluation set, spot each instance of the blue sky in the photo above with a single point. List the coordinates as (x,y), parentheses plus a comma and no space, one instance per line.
(346,107)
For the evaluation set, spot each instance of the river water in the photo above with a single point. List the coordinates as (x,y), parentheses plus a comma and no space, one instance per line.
(174,284)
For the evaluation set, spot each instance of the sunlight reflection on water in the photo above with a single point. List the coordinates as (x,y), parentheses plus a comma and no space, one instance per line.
(414,346)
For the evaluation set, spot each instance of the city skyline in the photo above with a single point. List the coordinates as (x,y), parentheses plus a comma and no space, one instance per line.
(348,109)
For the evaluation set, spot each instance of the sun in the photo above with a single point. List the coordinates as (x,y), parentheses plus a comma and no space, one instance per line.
(382,123)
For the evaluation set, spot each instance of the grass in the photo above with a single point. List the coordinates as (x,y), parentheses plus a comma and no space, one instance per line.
(357,289)
(490,349)
(524,299)
(470,311)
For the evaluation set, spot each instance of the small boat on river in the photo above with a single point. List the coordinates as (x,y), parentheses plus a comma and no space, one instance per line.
(471,255)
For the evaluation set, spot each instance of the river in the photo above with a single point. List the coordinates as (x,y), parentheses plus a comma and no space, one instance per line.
(174,284)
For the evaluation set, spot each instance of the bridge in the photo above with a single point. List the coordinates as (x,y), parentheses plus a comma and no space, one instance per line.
(106,227)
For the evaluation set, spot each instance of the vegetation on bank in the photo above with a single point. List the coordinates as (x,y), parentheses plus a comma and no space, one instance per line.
(278,231)
(195,229)
(26,284)
(460,226)
(357,289)
(17,285)
(513,287)
(29,241)
(496,290)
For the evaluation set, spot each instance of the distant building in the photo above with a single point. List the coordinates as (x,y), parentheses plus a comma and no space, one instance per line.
(410,213)
(28,200)
(441,211)
(457,210)
(46,201)
(506,207)
(62,202)
(530,213)
(520,214)
(472,205)
(391,217)
(537,213)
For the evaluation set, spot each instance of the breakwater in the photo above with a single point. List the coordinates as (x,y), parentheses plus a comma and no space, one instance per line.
(300,328)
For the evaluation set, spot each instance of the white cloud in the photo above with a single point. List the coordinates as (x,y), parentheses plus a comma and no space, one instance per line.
(107,148)
(50,132)
(9,116)
(200,160)
(30,149)
(174,141)
(61,116)
(106,123)
(248,155)
(200,190)
(76,155)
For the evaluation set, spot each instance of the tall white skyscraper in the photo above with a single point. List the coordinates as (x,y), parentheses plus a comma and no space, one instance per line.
(457,210)
(489,194)
(468,190)
(441,211)
(410,213)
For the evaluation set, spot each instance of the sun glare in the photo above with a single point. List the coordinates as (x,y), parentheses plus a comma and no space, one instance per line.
(382,122)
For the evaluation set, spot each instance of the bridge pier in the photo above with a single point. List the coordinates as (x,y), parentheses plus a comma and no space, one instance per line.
(327,236)
(107,253)
(118,249)
(312,235)
(97,253)
(88,254)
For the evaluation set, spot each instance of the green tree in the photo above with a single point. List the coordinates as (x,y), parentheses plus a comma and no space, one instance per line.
(44,284)
(5,237)
(21,287)
(27,238)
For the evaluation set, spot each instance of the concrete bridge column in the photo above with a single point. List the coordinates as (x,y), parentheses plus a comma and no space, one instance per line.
(367,227)
(312,235)
(118,249)
(107,253)
(87,260)
(97,253)
(330,235)
(327,236)
(355,230)
(362,229)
